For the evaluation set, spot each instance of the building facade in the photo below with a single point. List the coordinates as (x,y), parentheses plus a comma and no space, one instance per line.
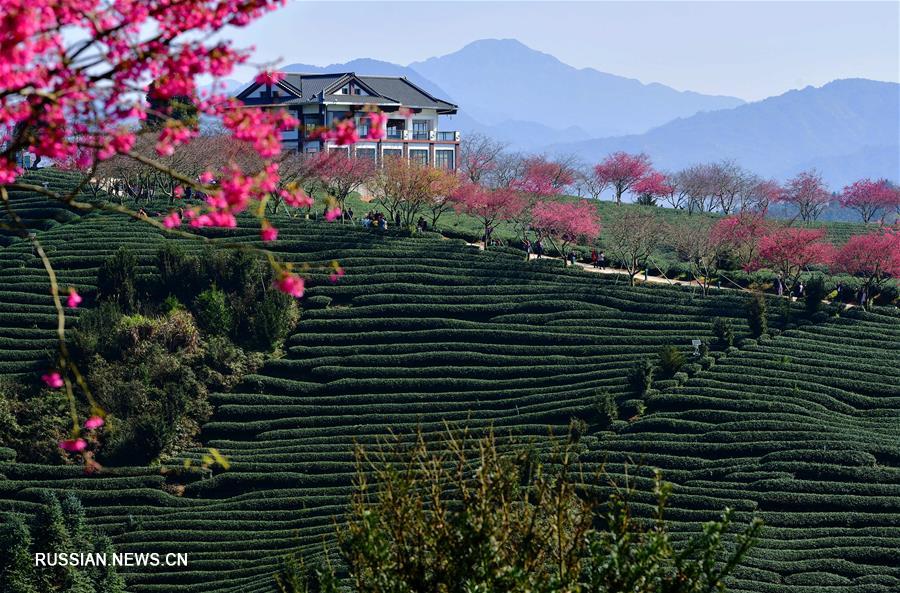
(412,130)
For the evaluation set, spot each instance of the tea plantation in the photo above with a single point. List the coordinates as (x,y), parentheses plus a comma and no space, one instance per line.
(801,429)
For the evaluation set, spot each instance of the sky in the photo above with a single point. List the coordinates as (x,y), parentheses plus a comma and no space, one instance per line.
(750,50)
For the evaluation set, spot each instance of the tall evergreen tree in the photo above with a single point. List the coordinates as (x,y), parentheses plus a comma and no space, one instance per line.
(16,564)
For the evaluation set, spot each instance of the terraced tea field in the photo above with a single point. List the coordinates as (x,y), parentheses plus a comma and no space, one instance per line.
(802,429)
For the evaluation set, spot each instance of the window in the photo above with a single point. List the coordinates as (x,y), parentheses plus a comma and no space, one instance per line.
(335,116)
(419,156)
(444,159)
(421,129)
(344,149)
(310,123)
(395,128)
(365,153)
(391,153)
(345,90)
(274,93)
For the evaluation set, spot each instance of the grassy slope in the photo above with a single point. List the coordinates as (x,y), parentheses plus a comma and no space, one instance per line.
(800,428)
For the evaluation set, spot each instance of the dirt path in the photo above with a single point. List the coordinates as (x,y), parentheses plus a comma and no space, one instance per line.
(648,279)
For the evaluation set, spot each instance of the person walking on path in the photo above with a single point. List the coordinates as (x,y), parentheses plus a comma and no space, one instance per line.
(602,260)
(594,258)
(527,245)
(572,257)
(539,247)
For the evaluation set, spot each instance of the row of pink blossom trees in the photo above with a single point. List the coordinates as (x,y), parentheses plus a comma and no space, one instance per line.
(708,187)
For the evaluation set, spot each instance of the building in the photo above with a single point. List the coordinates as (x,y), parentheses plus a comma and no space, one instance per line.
(317,100)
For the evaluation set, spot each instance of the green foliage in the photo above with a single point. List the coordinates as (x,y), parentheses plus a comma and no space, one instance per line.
(491,518)
(144,374)
(671,360)
(757,316)
(606,409)
(117,280)
(723,329)
(58,529)
(640,377)
(273,320)
(33,421)
(815,293)
(213,312)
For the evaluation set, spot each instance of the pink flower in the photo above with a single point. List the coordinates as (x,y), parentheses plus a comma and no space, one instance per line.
(206,177)
(332,214)
(296,198)
(73,445)
(267,77)
(268,233)
(53,380)
(343,133)
(337,274)
(290,284)
(93,422)
(377,122)
(74,298)
(172,221)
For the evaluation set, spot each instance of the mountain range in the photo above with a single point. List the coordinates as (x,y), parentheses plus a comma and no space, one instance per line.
(847,129)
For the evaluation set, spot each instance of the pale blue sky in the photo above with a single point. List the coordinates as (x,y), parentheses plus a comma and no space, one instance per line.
(751,50)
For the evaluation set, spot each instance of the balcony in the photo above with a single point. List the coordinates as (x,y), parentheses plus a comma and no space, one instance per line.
(447,136)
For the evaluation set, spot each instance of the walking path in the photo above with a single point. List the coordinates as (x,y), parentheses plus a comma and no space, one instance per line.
(649,279)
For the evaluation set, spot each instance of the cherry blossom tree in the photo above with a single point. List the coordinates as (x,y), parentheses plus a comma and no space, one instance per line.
(544,177)
(874,256)
(757,194)
(565,223)
(488,206)
(622,170)
(871,197)
(791,251)
(340,174)
(632,237)
(651,187)
(740,233)
(808,193)
(74,79)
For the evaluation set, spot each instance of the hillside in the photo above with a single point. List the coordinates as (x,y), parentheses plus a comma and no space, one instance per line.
(847,128)
(799,428)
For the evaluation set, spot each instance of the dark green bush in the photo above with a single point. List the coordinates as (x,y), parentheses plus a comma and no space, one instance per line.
(815,293)
(117,280)
(640,377)
(213,312)
(757,315)
(723,329)
(670,360)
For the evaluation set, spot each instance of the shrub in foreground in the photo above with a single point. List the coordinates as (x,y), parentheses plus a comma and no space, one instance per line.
(469,515)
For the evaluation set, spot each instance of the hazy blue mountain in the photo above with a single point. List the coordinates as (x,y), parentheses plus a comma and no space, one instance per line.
(520,135)
(502,80)
(846,128)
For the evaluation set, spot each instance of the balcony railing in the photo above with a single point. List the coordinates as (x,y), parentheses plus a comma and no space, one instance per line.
(421,135)
(447,136)
(395,134)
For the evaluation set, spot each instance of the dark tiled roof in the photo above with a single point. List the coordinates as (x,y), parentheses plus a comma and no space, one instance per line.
(389,90)
(404,92)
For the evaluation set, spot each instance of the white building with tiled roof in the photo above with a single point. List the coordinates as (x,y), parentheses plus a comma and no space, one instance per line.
(412,129)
